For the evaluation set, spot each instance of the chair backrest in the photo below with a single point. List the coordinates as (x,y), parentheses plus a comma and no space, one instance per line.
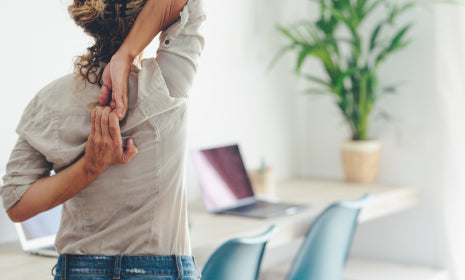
(238,258)
(326,246)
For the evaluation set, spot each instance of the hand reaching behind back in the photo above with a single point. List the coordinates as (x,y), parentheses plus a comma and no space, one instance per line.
(104,146)
(115,84)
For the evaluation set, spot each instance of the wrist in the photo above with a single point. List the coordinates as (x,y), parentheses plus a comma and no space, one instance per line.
(125,54)
(90,169)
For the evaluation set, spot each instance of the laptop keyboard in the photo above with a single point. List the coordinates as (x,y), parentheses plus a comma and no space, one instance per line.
(262,206)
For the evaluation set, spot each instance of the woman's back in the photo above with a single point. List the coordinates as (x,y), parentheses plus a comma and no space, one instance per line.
(132,209)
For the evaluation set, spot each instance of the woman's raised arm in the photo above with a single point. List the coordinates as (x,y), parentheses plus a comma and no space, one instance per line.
(153,18)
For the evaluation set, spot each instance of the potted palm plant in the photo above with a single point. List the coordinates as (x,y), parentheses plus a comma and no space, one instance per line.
(351,59)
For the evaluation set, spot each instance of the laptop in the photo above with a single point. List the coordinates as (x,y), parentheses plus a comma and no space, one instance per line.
(226,187)
(37,235)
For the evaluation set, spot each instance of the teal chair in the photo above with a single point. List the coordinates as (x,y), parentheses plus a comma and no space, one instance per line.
(326,246)
(238,259)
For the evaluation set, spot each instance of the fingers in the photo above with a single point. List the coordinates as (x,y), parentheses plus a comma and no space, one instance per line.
(120,96)
(120,68)
(115,132)
(105,124)
(125,103)
(105,91)
(98,124)
(130,152)
(92,128)
(104,97)
(106,137)
(113,105)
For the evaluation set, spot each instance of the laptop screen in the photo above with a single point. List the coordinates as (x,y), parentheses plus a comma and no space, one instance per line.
(222,177)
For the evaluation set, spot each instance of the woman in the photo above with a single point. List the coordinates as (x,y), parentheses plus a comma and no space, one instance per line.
(121,183)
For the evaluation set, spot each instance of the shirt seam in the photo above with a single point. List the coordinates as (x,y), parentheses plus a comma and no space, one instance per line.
(157,185)
(58,145)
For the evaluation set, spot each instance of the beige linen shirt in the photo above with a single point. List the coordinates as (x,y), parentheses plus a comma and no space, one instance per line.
(139,208)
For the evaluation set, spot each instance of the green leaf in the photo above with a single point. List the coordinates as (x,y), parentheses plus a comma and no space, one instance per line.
(347,21)
(374,36)
(395,44)
(280,54)
(361,4)
(342,77)
(301,58)
(317,80)
(398,37)
(311,32)
(288,34)
(406,7)
(396,11)
(373,6)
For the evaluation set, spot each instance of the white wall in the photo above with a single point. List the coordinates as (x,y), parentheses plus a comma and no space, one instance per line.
(235,98)
(412,147)
(410,151)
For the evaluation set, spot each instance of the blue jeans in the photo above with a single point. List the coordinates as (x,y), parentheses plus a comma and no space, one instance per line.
(96,267)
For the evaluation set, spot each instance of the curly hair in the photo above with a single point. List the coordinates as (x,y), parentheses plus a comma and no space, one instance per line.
(108,22)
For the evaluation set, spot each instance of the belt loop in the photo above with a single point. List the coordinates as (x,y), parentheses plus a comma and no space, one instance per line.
(180,268)
(64,271)
(54,270)
(117,269)
(198,272)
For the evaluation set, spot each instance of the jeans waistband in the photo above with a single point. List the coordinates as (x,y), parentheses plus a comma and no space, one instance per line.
(118,265)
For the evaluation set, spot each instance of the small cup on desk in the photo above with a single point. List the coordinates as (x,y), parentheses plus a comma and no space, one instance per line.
(263,183)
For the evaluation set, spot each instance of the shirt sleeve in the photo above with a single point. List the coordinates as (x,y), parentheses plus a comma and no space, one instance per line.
(26,165)
(180,47)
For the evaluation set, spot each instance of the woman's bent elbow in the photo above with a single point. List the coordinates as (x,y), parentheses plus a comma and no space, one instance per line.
(15,215)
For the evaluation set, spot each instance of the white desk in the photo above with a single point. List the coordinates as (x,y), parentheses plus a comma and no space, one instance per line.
(209,231)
